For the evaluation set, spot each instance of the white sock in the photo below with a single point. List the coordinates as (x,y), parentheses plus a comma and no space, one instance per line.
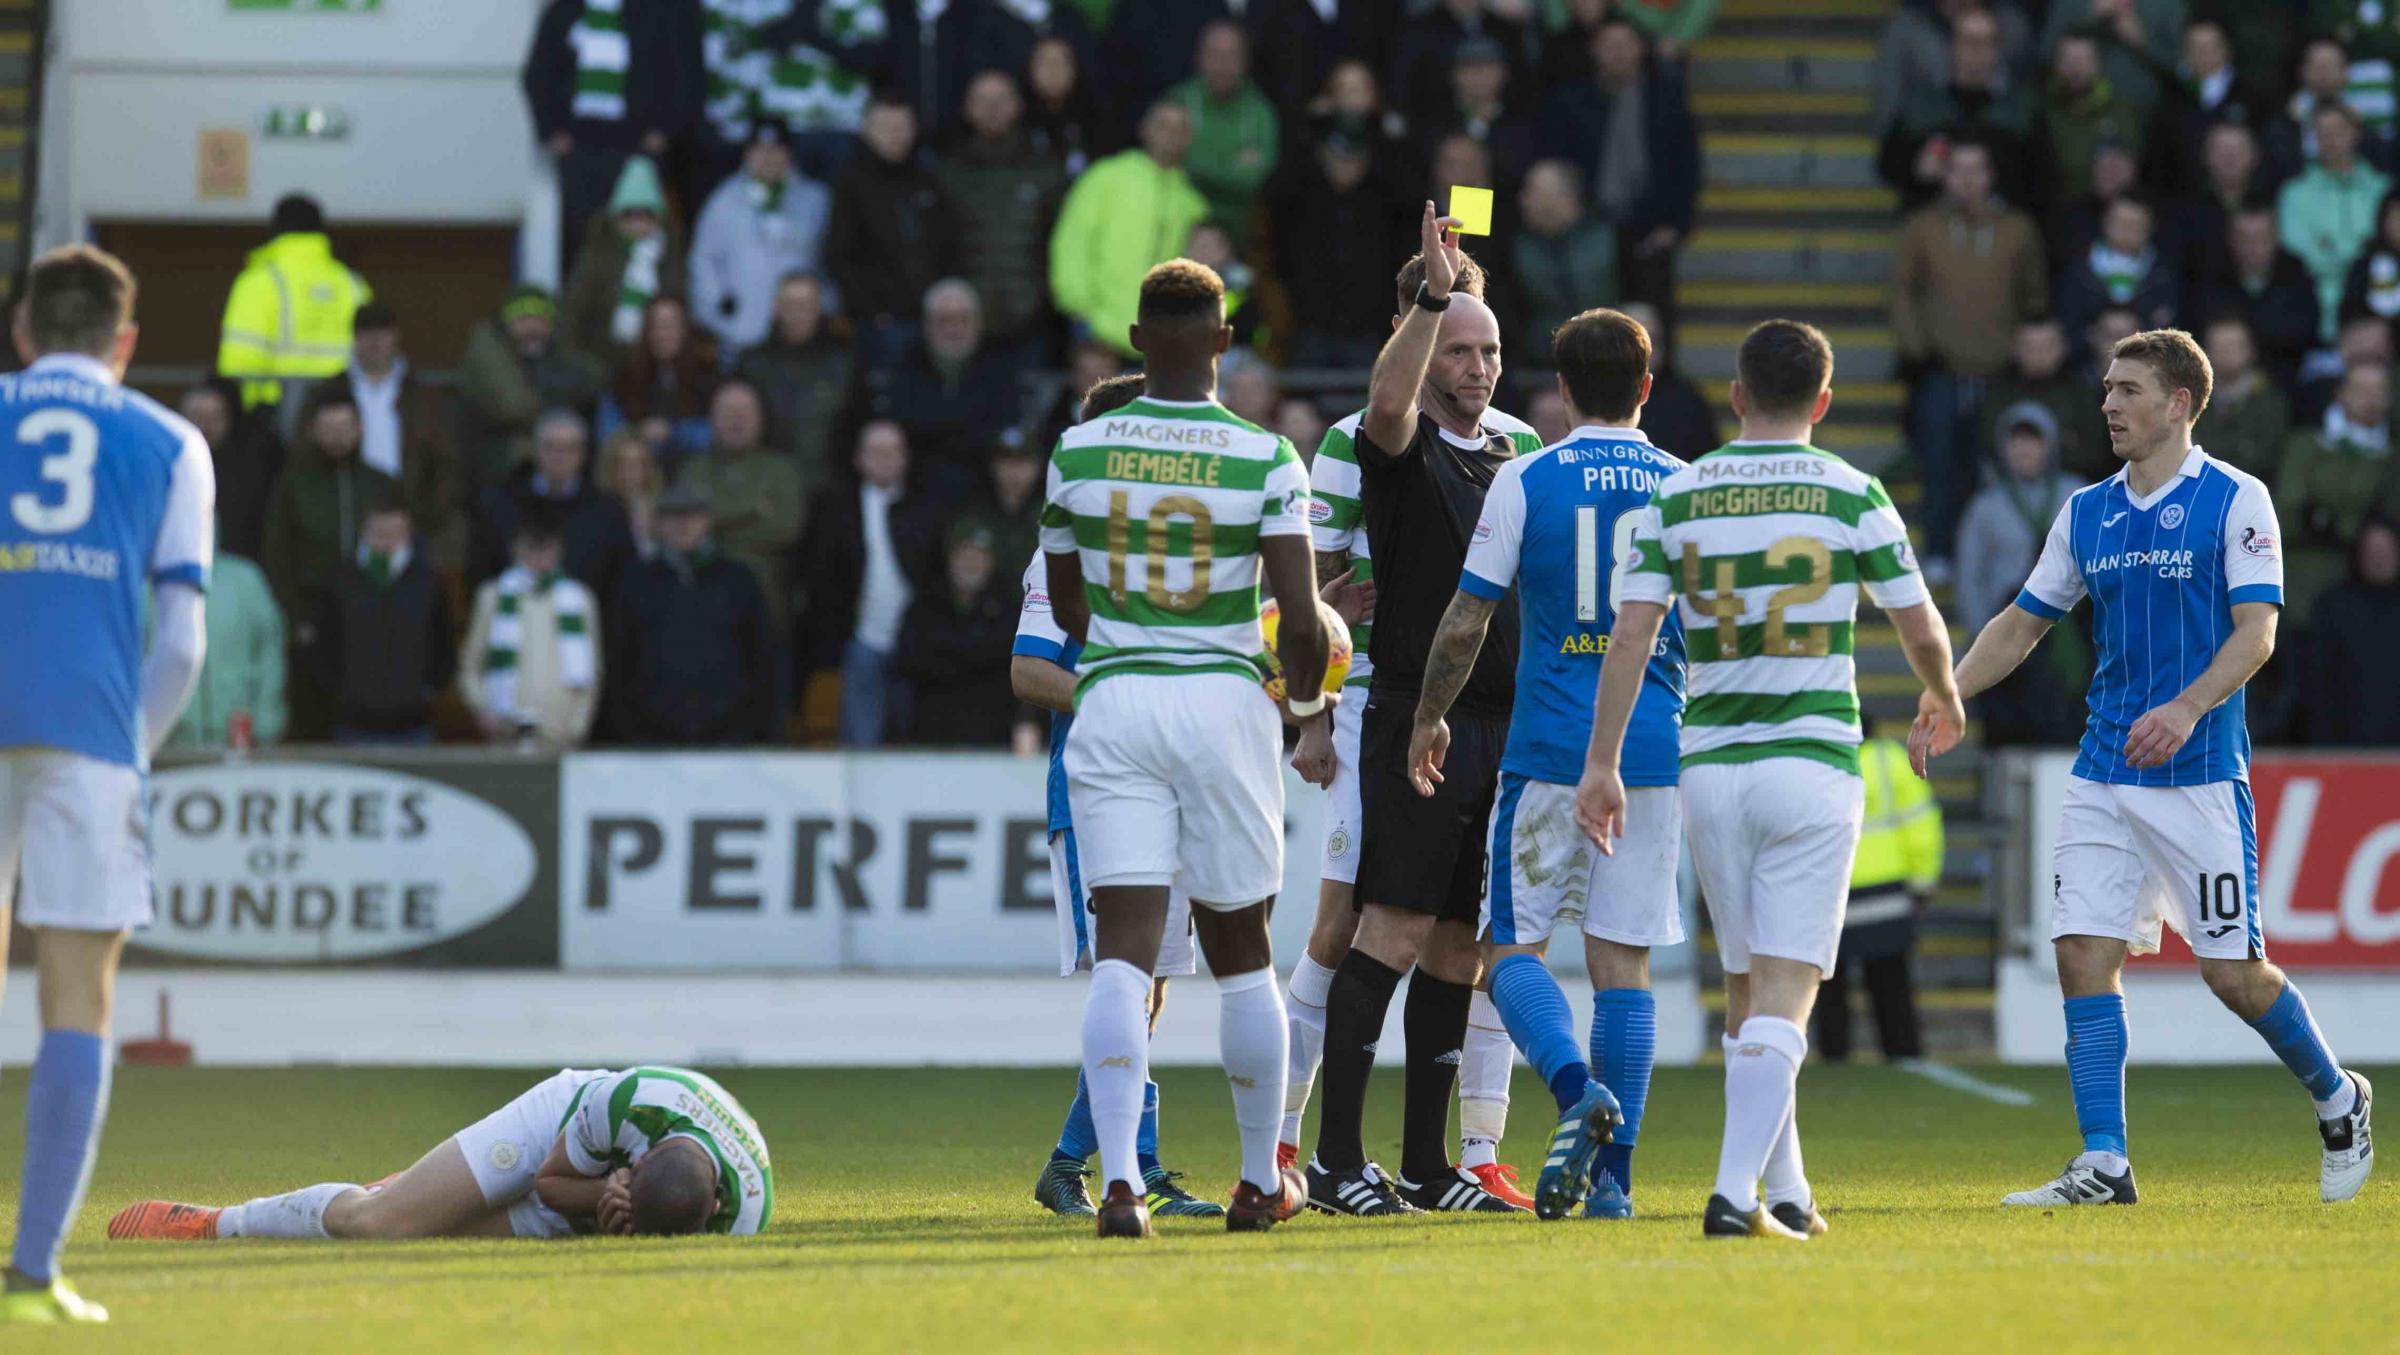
(1784,1181)
(1485,1066)
(1304,1014)
(1251,1034)
(1762,1069)
(1116,1065)
(2343,1101)
(297,1214)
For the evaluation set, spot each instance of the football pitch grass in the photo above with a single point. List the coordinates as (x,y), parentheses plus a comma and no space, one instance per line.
(903,1223)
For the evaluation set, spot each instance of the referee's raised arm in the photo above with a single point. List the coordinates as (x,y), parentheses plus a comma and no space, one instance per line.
(1391,419)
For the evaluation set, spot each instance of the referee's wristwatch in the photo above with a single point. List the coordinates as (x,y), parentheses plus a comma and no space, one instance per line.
(1426,300)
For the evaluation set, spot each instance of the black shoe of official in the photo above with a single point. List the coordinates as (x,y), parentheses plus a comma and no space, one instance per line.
(1723,1220)
(1364,1193)
(1455,1191)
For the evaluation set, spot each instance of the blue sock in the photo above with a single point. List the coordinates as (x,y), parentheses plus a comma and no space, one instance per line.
(1624,1045)
(1535,1012)
(2292,1033)
(2096,1067)
(1145,1135)
(65,1104)
(1078,1139)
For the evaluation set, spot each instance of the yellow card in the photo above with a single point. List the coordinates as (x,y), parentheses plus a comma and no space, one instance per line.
(1473,208)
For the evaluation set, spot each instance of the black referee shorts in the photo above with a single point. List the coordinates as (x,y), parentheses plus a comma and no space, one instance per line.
(1425,853)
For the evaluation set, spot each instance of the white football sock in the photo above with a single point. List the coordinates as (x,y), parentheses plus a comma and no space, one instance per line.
(1116,1065)
(296,1214)
(1761,1072)
(1784,1181)
(1304,1015)
(1251,1034)
(2342,1102)
(1485,1066)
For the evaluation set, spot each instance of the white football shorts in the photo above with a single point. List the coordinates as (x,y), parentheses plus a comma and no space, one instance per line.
(76,830)
(1339,860)
(1773,842)
(1545,871)
(1176,954)
(504,1151)
(1179,776)
(2130,857)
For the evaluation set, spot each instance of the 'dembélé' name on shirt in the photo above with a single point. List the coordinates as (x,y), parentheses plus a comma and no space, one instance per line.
(2171,564)
(1165,468)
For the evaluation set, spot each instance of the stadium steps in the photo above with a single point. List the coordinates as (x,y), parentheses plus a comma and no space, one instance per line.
(22,25)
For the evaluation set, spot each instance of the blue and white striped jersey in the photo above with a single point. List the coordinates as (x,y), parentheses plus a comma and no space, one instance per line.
(1557,525)
(2164,574)
(106,492)
(1038,634)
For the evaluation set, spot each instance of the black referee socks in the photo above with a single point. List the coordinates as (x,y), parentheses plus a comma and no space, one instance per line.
(1435,1023)
(1354,1010)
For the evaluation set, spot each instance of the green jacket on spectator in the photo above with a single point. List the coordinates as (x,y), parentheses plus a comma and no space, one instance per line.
(2079,127)
(2245,424)
(243,672)
(1234,147)
(758,506)
(2328,486)
(2139,74)
(1007,194)
(502,392)
(312,524)
(2326,218)
(1126,213)
(1555,278)
(804,387)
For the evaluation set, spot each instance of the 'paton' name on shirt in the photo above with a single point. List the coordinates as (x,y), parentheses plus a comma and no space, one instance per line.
(1166,468)
(2172,564)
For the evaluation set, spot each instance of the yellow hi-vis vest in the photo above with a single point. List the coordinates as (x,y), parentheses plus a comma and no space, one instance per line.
(1900,842)
(289,316)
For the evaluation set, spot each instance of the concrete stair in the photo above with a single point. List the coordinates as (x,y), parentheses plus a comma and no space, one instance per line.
(23,26)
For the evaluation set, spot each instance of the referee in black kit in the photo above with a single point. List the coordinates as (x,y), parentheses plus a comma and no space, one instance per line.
(1424,462)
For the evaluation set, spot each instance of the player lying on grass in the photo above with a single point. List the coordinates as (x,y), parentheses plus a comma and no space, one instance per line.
(653,1151)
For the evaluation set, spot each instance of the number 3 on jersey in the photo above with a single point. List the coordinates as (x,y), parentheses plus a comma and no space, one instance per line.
(1587,559)
(70,469)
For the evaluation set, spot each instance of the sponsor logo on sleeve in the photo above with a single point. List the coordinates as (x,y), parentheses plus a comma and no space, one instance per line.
(2261,544)
(1037,599)
(1319,512)
(1906,555)
(1483,532)
(1633,558)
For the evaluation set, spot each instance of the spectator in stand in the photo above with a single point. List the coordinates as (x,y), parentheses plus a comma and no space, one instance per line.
(1128,212)
(632,252)
(953,651)
(1676,417)
(2327,214)
(2039,370)
(2269,287)
(1999,537)
(530,665)
(931,70)
(1297,417)
(554,484)
(1480,107)
(952,393)
(2075,226)
(2137,41)
(761,502)
(2229,180)
(406,429)
(2373,285)
(1088,364)
(894,232)
(2081,113)
(514,369)
(1461,159)
(1975,98)
(1919,49)
(2362,342)
(382,636)
(2248,418)
(2371,40)
(664,385)
(1010,510)
(1065,114)
(1630,133)
(288,316)
(2334,477)
(1297,42)
(1339,310)
(2354,647)
(248,457)
(758,227)
(2115,323)
(1351,103)
(812,66)
(1428,45)
(692,655)
(1147,48)
(1562,261)
(1970,268)
(630,475)
(804,372)
(1547,411)
(1235,141)
(2123,267)
(605,81)
(241,675)
(866,558)
(2290,141)
(1246,386)
(315,514)
(2210,94)
(1008,194)
(1210,244)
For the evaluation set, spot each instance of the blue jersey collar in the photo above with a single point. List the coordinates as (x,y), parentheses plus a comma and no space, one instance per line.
(2193,461)
(75,364)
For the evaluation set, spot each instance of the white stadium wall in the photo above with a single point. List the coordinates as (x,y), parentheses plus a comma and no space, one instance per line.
(438,130)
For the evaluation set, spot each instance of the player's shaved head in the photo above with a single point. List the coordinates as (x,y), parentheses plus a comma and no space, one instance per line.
(1412,276)
(674,1189)
(1181,329)
(1109,396)
(78,299)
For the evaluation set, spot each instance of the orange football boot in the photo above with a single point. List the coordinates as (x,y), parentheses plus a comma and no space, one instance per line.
(1500,1179)
(165,1221)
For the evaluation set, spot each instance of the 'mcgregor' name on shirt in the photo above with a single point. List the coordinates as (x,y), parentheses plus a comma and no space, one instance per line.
(1752,500)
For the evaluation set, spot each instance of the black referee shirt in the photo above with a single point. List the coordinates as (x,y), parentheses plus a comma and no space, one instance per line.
(1420,508)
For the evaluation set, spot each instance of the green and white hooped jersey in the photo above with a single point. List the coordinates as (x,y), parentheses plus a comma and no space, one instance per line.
(616,1120)
(1337,522)
(602,55)
(1766,546)
(1165,502)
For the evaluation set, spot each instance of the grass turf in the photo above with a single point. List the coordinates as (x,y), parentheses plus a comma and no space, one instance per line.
(904,1224)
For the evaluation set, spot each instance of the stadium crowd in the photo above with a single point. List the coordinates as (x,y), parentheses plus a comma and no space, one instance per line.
(2077,170)
(782,432)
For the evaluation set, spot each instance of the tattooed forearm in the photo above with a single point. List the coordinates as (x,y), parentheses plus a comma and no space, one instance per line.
(1452,657)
